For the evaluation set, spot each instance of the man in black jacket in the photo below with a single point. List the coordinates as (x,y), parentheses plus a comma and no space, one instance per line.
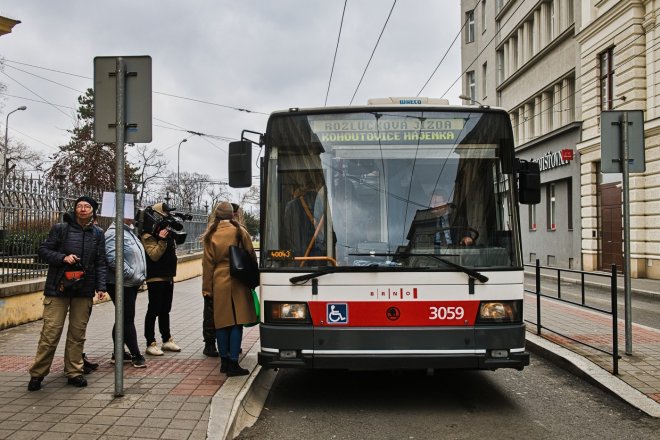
(75,253)
(160,249)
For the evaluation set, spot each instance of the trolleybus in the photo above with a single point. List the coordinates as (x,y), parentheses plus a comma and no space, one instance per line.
(390,236)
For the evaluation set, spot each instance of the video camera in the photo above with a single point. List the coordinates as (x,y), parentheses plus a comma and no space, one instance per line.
(152,222)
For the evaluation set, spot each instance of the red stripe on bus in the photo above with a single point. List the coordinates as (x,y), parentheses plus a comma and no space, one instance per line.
(398,313)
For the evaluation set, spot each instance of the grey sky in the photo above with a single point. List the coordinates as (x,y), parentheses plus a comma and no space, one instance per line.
(258,55)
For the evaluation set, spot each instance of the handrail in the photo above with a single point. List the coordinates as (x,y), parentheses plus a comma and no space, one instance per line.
(613,310)
(303,259)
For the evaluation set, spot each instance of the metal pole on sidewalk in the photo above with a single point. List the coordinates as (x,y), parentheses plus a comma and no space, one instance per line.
(615,324)
(119,228)
(626,232)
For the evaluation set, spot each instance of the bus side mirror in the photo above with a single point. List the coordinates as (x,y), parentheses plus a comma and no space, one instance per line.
(529,182)
(240,164)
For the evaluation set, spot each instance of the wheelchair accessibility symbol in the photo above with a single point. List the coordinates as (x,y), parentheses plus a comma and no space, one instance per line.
(337,313)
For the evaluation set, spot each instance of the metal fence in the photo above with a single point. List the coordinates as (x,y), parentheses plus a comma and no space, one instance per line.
(28,209)
(580,301)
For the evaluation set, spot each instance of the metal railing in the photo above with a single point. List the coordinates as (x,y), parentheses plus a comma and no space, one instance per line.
(582,303)
(29,208)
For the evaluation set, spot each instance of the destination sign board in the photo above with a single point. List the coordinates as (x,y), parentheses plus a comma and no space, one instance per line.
(388,130)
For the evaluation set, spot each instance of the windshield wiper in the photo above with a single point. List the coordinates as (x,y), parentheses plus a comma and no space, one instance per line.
(309,276)
(469,272)
(332,269)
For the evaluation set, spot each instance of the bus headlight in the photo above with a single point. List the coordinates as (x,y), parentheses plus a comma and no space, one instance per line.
(293,313)
(499,311)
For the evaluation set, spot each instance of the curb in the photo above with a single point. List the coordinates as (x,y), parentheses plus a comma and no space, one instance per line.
(584,368)
(239,401)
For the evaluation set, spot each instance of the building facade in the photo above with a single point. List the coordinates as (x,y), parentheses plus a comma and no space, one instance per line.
(618,41)
(521,55)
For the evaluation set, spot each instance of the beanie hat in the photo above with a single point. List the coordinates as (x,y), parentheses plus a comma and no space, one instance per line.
(91,201)
(162,209)
(224,211)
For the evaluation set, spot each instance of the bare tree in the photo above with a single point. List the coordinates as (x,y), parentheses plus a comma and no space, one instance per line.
(188,188)
(152,166)
(22,160)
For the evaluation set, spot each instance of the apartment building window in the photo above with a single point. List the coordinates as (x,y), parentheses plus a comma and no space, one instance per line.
(471,85)
(550,108)
(469,29)
(606,79)
(500,66)
(550,207)
(483,16)
(553,17)
(532,217)
(513,49)
(484,79)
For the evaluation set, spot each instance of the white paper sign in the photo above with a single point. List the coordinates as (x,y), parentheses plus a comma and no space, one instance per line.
(108,208)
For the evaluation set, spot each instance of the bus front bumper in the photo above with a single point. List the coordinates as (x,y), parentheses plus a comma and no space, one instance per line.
(478,348)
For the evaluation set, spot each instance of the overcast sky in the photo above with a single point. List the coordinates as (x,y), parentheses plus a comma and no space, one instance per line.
(257,55)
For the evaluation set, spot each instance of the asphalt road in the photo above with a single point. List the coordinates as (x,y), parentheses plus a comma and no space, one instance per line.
(541,402)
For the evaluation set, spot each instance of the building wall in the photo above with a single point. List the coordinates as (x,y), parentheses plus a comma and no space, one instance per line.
(629,29)
(530,46)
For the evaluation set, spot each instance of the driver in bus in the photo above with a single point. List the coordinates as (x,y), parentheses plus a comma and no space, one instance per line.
(447,232)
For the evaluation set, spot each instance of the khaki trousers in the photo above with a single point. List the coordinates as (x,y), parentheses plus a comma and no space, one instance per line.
(55,311)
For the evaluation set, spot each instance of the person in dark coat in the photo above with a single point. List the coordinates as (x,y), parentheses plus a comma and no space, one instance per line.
(74,246)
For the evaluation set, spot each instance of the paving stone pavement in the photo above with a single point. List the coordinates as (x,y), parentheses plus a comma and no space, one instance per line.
(170,399)
(571,327)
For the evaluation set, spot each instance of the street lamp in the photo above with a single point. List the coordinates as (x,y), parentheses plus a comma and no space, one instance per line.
(178,162)
(7,137)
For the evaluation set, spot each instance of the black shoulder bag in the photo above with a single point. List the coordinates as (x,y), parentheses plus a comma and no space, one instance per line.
(241,264)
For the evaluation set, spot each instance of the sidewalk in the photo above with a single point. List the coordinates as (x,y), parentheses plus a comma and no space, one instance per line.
(183,396)
(170,399)
(638,381)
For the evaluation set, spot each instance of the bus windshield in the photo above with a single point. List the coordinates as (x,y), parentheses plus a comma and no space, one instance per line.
(395,189)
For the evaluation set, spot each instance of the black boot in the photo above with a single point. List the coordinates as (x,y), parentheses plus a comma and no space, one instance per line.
(224,364)
(233,369)
(88,366)
(210,350)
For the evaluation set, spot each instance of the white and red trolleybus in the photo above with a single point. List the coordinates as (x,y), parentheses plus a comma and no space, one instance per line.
(390,236)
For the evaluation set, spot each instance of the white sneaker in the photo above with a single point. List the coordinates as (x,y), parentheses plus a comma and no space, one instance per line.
(153,350)
(170,345)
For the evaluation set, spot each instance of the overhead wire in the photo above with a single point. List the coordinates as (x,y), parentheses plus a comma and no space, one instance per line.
(332,69)
(590,83)
(513,14)
(373,52)
(36,94)
(460,32)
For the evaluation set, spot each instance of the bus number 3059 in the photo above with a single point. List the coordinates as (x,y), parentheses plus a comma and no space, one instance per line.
(448,313)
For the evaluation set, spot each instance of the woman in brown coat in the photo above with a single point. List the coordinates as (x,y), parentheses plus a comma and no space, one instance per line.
(232,300)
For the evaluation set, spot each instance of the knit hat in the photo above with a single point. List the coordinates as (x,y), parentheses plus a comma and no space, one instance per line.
(224,211)
(162,209)
(91,201)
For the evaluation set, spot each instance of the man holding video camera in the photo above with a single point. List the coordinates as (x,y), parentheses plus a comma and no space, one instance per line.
(159,230)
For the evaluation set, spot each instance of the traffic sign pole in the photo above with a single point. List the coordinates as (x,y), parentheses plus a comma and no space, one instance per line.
(626,232)
(120,73)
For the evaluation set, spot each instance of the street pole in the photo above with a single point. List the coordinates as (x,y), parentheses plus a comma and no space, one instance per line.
(178,180)
(626,233)
(4,165)
(120,72)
